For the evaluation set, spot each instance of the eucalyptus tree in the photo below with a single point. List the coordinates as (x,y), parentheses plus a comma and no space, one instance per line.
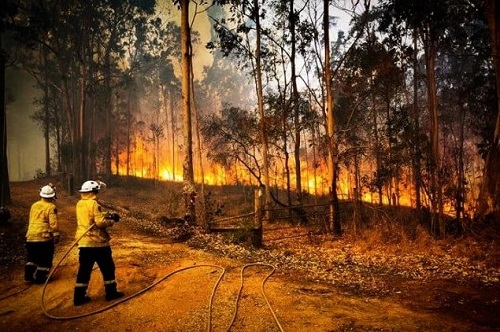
(119,20)
(290,42)
(288,22)
(334,219)
(187,72)
(278,100)
(150,52)
(429,19)
(236,35)
(372,80)
(445,30)
(229,145)
(468,101)
(324,59)
(85,40)
(171,95)
(295,98)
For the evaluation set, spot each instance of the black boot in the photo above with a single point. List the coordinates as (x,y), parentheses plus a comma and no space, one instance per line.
(41,275)
(80,296)
(29,272)
(111,292)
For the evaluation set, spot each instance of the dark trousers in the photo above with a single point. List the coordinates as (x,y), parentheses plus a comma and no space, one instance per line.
(39,256)
(104,259)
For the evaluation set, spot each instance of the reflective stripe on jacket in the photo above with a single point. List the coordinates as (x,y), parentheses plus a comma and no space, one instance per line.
(43,221)
(88,213)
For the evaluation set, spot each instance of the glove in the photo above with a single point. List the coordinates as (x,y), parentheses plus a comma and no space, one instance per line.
(115,217)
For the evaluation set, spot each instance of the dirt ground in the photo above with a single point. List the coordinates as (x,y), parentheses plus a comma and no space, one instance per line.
(185,296)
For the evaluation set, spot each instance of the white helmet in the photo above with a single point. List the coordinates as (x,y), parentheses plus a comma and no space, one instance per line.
(47,191)
(90,186)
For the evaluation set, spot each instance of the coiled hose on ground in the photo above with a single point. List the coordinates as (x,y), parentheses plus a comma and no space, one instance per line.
(209,322)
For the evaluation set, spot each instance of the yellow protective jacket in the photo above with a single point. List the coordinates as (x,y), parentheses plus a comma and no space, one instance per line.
(88,213)
(43,225)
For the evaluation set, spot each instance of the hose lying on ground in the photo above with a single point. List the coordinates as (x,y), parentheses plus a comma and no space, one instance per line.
(209,323)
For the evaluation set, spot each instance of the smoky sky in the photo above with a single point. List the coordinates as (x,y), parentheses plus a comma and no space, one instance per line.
(25,146)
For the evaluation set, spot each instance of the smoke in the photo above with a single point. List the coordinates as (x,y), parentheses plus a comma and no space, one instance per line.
(25,142)
(201,26)
(25,147)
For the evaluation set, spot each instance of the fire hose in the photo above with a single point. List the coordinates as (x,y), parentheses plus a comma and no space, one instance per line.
(212,296)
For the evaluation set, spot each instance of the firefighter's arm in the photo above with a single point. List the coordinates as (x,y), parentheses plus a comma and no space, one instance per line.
(54,225)
(101,218)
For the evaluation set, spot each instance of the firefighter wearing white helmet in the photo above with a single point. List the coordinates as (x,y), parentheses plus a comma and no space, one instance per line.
(41,235)
(90,186)
(94,246)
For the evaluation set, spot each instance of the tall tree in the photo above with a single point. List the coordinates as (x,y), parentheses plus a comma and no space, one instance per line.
(489,200)
(247,16)
(335,224)
(4,170)
(188,167)
(429,18)
(295,101)
(9,10)
(260,99)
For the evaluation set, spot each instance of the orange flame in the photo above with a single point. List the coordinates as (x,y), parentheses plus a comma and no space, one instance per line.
(143,164)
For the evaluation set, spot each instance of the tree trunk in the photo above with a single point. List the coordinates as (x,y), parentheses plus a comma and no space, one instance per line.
(59,130)
(166,99)
(188,169)
(46,126)
(203,212)
(296,108)
(69,111)
(489,198)
(4,170)
(82,139)
(377,149)
(260,100)
(108,107)
(357,194)
(334,216)
(287,158)
(172,133)
(416,130)
(390,165)
(129,138)
(438,227)
(460,195)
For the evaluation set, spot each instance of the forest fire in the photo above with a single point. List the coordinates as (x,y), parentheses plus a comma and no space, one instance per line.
(150,162)
(394,135)
(144,164)
(169,176)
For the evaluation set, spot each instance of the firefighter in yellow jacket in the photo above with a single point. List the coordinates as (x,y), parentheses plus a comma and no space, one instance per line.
(94,246)
(41,235)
